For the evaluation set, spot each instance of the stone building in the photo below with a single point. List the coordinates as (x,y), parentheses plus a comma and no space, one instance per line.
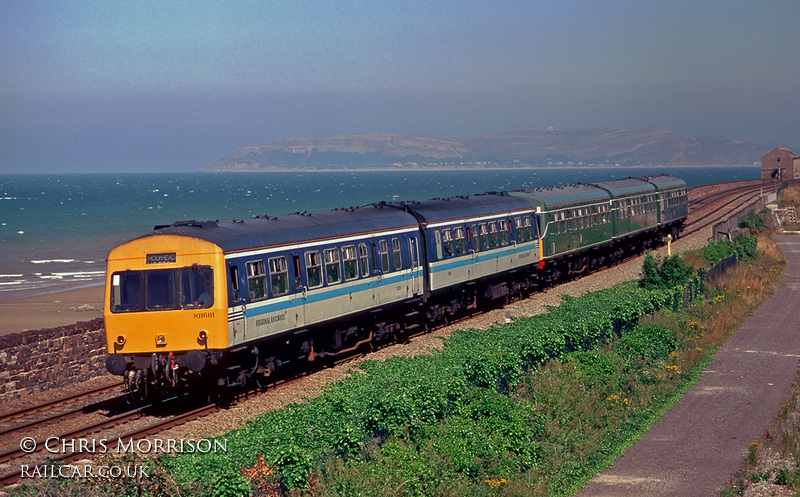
(781,164)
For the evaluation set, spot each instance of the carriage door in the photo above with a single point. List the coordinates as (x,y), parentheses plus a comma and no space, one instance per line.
(416,272)
(238,306)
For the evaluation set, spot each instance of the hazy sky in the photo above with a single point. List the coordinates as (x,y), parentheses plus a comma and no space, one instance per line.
(171,86)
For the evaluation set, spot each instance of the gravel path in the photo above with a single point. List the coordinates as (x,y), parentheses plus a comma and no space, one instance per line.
(702,439)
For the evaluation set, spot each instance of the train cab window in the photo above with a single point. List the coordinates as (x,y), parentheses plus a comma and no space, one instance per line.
(362,255)
(483,235)
(126,293)
(278,276)
(313,269)
(197,289)
(447,242)
(460,242)
(350,262)
(333,270)
(503,231)
(256,280)
(384,250)
(437,240)
(398,259)
(160,290)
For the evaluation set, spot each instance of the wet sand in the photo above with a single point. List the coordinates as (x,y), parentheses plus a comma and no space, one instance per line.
(51,310)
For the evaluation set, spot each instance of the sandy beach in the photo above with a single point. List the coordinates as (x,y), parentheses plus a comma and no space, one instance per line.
(51,310)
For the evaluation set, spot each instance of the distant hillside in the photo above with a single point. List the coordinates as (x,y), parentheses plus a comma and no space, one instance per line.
(524,148)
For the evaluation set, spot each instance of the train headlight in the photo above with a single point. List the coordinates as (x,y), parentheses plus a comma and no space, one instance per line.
(121,340)
(161,339)
(202,336)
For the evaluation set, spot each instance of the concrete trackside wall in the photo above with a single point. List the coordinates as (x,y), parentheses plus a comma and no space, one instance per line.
(35,361)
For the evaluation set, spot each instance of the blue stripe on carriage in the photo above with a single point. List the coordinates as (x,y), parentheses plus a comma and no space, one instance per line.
(468,260)
(319,295)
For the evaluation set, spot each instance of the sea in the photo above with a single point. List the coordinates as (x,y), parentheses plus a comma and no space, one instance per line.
(57,229)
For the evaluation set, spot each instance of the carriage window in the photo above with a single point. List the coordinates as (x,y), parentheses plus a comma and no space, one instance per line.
(437,237)
(398,260)
(412,250)
(256,280)
(527,228)
(461,244)
(350,262)
(493,237)
(384,249)
(333,270)
(503,226)
(483,233)
(447,242)
(362,254)
(278,276)
(235,282)
(313,269)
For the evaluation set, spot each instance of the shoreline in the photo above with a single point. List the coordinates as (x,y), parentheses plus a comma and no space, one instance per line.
(404,169)
(455,168)
(50,310)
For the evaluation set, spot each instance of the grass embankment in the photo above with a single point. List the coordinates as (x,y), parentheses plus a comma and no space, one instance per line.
(531,408)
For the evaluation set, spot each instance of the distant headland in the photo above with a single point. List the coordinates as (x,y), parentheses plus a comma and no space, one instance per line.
(550,148)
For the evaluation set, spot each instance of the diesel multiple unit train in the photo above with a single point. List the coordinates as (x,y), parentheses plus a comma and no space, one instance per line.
(223,303)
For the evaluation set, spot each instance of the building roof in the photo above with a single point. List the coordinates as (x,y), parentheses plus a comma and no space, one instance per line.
(783,150)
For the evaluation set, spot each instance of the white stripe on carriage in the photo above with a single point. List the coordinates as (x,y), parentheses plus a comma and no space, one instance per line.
(314,243)
(480,218)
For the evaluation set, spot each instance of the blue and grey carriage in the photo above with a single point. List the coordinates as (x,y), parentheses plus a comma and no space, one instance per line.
(236,300)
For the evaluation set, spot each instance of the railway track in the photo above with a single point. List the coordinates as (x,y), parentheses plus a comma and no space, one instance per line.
(50,405)
(707,205)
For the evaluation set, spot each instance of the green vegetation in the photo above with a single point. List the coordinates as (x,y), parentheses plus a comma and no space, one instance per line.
(745,245)
(669,273)
(754,220)
(531,408)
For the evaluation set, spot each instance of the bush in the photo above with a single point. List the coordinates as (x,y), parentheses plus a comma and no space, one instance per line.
(669,273)
(754,221)
(745,245)
(649,342)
